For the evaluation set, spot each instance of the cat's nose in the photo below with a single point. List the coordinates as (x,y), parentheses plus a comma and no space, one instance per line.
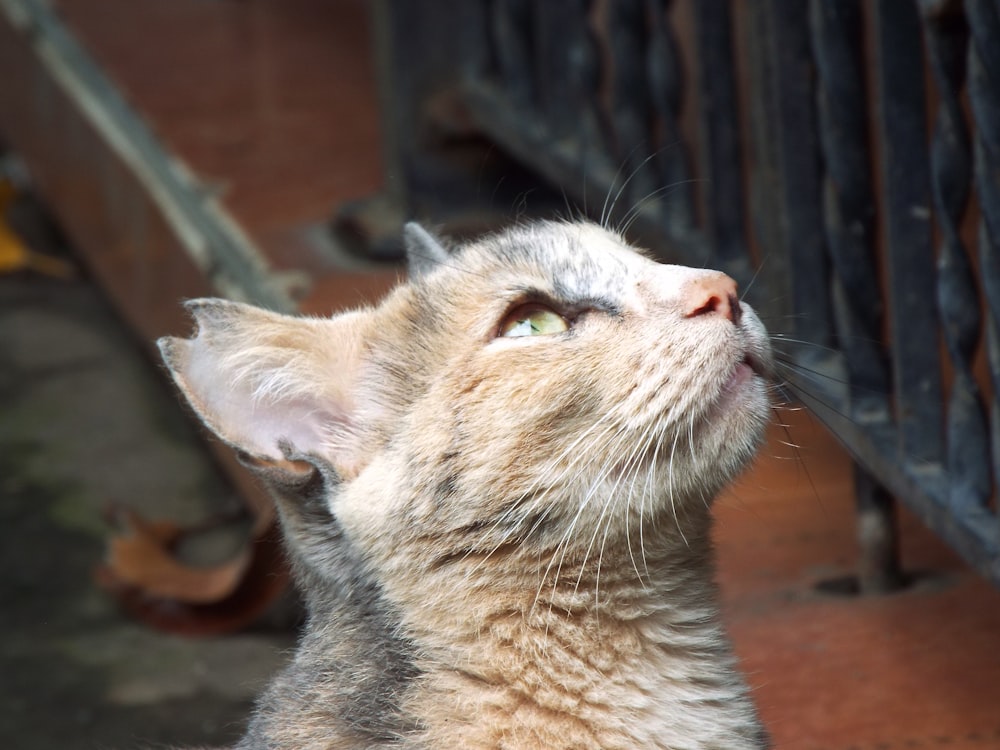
(712,294)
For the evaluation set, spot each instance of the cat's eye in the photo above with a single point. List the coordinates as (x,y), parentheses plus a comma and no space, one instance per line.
(532,320)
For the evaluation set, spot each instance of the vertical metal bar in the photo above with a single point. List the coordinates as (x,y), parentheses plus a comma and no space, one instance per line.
(878,537)
(764,205)
(510,27)
(910,258)
(720,156)
(984,96)
(969,481)
(792,166)
(666,92)
(849,217)
(630,109)
(418,55)
(569,76)
(557,27)
(849,204)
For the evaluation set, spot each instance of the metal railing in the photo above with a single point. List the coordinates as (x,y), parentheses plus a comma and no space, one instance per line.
(845,152)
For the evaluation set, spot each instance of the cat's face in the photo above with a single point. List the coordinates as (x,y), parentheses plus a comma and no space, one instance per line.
(545,382)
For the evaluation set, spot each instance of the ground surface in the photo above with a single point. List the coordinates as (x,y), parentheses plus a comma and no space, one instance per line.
(86,419)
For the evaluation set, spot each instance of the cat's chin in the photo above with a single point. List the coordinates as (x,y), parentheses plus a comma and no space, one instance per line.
(743,392)
(739,377)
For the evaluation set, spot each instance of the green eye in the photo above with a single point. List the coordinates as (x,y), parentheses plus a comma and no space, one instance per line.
(532,320)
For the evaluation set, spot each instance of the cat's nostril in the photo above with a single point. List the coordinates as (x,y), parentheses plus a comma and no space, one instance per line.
(735,309)
(712,295)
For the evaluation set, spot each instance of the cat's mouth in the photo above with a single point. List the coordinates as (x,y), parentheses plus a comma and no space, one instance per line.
(743,372)
(757,365)
(749,367)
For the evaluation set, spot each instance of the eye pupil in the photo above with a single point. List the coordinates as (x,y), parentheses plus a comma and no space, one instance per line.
(532,320)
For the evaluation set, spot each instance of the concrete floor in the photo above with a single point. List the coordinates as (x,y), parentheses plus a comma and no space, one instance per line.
(85,420)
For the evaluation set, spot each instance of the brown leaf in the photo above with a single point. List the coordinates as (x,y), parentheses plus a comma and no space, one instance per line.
(143,573)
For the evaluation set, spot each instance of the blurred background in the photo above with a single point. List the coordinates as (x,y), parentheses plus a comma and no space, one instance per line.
(840,159)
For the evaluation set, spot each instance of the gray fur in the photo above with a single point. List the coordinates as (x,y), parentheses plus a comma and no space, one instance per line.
(343,687)
(464,511)
(424,251)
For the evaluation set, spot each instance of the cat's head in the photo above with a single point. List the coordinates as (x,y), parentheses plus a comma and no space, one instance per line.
(540,380)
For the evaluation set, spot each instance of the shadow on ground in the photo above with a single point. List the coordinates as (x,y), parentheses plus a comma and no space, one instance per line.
(86,420)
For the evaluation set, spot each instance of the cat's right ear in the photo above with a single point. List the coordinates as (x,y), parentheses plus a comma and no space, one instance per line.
(424,251)
(277,388)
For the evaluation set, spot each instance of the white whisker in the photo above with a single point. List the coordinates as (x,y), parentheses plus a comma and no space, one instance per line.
(670,487)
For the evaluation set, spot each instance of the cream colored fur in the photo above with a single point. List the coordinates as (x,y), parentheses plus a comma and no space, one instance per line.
(530,513)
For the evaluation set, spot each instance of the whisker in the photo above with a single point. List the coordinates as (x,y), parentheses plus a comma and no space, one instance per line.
(602,478)
(560,548)
(629,470)
(753,278)
(635,172)
(694,454)
(808,395)
(798,455)
(604,209)
(650,437)
(651,485)
(796,367)
(598,482)
(670,487)
(776,337)
(636,210)
(536,499)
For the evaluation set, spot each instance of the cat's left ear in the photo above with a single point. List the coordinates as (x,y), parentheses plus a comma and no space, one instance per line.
(424,251)
(276,387)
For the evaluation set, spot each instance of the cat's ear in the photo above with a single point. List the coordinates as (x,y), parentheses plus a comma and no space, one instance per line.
(276,387)
(424,251)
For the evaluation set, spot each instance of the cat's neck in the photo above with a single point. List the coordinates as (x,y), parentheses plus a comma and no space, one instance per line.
(607,651)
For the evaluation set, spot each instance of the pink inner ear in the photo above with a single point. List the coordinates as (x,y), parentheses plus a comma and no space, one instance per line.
(267,425)
(258,423)
(259,396)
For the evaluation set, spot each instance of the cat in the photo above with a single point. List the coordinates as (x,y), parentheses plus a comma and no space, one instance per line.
(494,490)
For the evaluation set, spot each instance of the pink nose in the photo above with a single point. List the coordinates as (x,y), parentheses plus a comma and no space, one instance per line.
(713,294)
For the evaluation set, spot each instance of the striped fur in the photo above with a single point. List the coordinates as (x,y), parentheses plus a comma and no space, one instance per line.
(503,542)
